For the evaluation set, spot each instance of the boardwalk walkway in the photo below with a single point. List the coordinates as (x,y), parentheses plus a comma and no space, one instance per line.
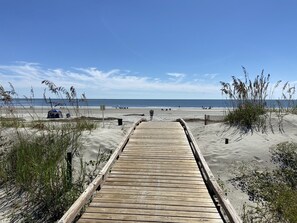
(156,179)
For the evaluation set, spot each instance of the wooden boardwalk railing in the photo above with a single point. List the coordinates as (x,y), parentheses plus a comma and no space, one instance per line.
(156,179)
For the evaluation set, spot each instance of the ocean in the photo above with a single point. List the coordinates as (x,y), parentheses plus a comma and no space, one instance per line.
(142,103)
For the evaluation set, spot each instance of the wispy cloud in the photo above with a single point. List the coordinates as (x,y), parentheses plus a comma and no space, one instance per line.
(211,76)
(176,77)
(106,84)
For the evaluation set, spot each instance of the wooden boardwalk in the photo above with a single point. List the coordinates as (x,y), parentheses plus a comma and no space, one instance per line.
(155,179)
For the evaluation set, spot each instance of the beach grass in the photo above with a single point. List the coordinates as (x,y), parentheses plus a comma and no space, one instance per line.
(34,164)
(249,100)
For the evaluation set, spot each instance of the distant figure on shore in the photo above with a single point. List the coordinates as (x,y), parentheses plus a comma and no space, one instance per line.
(151,114)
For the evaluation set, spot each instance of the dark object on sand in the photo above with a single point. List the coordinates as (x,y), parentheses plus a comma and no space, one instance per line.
(120,121)
(54,113)
(151,114)
(68,115)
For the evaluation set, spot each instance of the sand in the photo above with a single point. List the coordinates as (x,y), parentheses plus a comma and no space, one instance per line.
(222,158)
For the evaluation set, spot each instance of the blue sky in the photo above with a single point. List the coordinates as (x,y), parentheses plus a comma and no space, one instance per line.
(145,48)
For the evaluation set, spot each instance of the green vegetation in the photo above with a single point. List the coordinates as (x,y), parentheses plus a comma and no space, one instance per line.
(34,164)
(274,191)
(249,100)
(247,116)
(11,122)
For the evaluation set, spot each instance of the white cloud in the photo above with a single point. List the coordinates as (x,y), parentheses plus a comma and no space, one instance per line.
(105,84)
(211,76)
(177,75)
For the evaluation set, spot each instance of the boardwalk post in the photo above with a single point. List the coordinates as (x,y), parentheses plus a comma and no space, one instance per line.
(102,108)
(69,167)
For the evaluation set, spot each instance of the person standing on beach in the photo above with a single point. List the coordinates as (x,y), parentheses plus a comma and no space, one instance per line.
(151,114)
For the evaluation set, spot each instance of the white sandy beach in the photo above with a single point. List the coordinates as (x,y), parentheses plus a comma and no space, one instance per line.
(222,158)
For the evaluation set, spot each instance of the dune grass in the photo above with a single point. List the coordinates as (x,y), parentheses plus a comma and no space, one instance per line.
(249,99)
(33,162)
(35,165)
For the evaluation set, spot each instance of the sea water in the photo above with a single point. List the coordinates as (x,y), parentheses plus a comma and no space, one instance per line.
(141,103)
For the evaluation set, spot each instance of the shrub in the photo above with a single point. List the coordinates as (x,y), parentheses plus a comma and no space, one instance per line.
(275,192)
(247,116)
(248,98)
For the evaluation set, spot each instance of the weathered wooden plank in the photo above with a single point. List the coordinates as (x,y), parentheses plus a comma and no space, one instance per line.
(154,184)
(143,152)
(159,148)
(160,162)
(159,137)
(158,190)
(160,159)
(154,133)
(151,170)
(154,180)
(149,198)
(153,212)
(173,136)
(153,200)
(159,141)
(140,218)
(155,159)
(156,173)
(134,176)
(170,161)
(164,206)
(155,143)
